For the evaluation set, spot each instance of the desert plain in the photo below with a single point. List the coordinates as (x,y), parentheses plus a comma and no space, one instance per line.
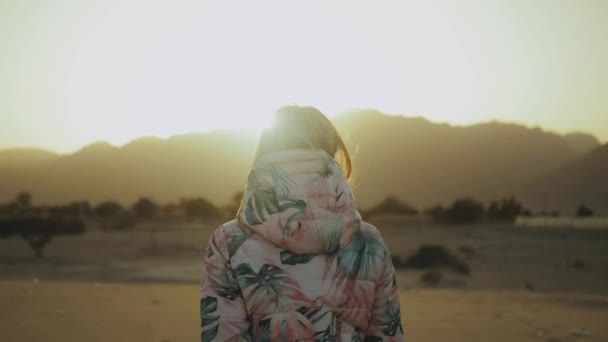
(525,284)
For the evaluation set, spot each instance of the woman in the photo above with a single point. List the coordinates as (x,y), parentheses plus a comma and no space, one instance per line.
(298,263)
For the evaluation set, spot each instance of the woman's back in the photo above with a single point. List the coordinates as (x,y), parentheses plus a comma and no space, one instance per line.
(298,264)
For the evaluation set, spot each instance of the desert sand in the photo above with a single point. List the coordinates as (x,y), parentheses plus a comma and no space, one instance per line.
(85,311)
(526,284)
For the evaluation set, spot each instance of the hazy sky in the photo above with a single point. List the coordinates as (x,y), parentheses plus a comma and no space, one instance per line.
(73,72)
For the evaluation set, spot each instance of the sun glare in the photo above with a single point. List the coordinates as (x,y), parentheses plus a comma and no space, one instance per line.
(118,70)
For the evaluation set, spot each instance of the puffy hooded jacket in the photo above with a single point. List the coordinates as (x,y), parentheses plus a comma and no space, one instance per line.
(298,264)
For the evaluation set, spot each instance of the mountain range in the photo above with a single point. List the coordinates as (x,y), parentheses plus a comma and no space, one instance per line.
(421,162)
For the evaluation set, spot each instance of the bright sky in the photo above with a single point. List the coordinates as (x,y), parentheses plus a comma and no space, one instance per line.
(74,72)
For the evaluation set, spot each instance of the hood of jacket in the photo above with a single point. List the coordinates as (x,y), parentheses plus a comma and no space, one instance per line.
(301,201)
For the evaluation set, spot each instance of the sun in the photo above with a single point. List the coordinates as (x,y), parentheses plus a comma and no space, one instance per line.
(242,120)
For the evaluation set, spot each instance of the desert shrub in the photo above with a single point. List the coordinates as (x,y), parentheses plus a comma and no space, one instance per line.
(464,210)
(577,264)
(120,221)
(504,210)
(74,209)
(529,286)
(108,209)
(24,199)
(526,213)
(199,208)
(435,256)
(391,205)
(431,278)
(39,232)
(113,216)
(21,205)
(437,213)
(584,211)
(145,207)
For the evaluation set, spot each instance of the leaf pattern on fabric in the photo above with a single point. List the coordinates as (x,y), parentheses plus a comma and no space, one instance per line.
(289,258)
(272,289)
(263,195)
(391,320)
(263,330)
(260,203)
(297,210)
(230,291)
(357,259)
(209,251)
(234,241)
(317,314)
(285,326)
(222,281)
(329,164)
(356,335)
(351,302)
(300,209)
(209,318)
(299,213)
(332,332)
(350,275)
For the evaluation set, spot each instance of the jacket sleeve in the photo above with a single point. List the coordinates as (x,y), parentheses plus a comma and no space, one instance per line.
(385,323)
(223,313)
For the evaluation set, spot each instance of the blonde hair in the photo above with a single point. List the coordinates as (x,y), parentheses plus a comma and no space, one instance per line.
(304,127)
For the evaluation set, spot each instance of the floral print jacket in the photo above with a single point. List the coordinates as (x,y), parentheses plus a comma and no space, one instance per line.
(298,264)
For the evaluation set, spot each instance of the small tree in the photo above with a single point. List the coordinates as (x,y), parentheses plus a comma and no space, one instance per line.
(74,209)
(22,205)
(113,216)
(584,211)
(437,212)
(392,205)
(24,199)
(464,210)
(108,209)
(39,232)
(199,208)
(145,207)
(505,210)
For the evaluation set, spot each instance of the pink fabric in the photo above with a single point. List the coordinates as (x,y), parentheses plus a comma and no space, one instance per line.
(298,264)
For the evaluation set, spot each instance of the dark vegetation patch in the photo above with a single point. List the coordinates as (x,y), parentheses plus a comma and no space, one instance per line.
(433,257)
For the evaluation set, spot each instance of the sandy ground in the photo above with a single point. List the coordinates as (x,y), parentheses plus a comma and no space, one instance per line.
(85,311)
(142,285)
(505,257)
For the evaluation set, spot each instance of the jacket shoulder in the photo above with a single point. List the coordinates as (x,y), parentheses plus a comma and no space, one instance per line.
(230,227)
(229,237)
(369,230)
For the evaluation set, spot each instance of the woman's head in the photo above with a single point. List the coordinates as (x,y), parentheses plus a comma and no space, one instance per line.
(296,127)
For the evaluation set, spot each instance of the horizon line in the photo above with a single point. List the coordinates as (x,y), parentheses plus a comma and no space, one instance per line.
(331,117)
